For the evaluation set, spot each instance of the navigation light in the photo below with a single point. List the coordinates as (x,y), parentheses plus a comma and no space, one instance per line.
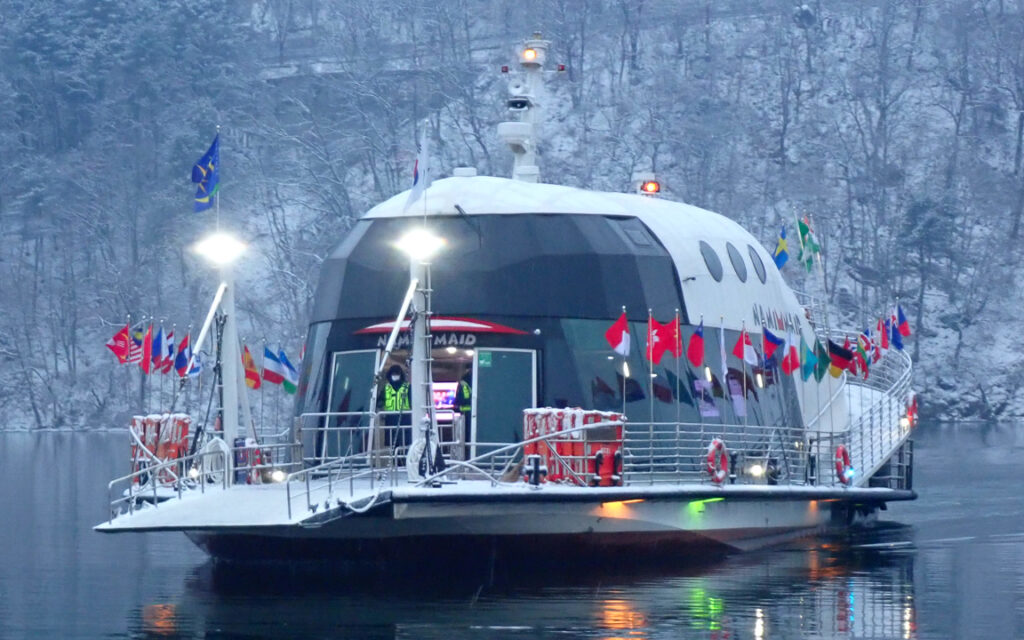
(650,187)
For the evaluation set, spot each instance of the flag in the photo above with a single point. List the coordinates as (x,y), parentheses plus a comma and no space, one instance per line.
(790,358)
(617,335)
(808,359)
(252,374)
(901,322)
(841,357)
(883,335)
(895,337)
(721,352)
(135,348)
(862,354)
(695,351)
(823,360)
(421,178)
(744,348)
(808,244)
(157,350)
(206,174)
(291,376)
(771,343)
(781,249)
(273,371)
(662,338)
(120,344)
(184,354)
(146,358)
(168,362)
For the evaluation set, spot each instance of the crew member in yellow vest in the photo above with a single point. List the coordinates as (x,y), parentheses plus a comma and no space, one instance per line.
(395,397)
(464,397)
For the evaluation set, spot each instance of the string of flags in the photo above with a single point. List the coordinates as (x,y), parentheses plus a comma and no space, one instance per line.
(792,354)
(156,352)
(808,249)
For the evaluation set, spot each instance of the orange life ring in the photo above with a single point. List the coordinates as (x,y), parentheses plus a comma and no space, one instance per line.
(843,468)
(718,461)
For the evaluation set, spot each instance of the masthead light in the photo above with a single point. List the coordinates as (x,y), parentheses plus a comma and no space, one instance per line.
(220,248)
(529,54)
(420,244)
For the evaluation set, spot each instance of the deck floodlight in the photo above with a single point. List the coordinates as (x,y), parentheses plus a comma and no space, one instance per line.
(277,475)
(220,248)
(420,244)
(756,470)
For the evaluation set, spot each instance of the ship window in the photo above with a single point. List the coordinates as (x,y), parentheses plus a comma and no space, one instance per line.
(736,258)
(711,260)
(755,260)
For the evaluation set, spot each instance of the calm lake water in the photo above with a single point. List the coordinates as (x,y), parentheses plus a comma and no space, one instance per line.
(950,565)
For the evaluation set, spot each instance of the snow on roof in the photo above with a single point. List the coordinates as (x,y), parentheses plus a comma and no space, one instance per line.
(679,227)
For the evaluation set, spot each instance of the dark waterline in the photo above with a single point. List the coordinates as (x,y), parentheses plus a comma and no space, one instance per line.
(950,565)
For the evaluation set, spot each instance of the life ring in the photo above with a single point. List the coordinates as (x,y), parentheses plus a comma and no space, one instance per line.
(718,461)
(843,467)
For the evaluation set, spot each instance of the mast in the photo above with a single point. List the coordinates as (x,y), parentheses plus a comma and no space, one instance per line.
(526,92)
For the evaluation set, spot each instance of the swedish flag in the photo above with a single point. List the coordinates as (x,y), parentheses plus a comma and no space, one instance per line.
(206,173)
(781,249)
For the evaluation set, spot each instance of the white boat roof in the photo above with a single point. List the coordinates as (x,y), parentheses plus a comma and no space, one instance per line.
(679,227)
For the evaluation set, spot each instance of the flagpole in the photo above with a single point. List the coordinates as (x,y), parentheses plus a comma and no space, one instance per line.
(679,350)
(262,371)
(625,367)
(743,366)
(650,373)
(128,387)
(700,374)
(217,196)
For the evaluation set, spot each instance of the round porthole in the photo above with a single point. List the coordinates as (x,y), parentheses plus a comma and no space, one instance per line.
(736,258)
(711,260)
(755,259)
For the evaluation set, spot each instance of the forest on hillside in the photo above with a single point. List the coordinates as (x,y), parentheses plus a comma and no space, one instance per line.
(897,125)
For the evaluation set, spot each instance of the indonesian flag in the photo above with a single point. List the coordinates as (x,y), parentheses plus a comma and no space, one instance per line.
(695,351)
(744,348)
(120,344)
(146,362)
(662,338)
(791,357)
(771,343)
(252,374)
(617,335)
(273,370)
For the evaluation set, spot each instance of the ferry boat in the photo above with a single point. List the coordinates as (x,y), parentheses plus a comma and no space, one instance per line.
(469,387)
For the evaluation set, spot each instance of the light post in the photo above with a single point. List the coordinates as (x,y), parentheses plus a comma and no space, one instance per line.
(420,245)
(222,250)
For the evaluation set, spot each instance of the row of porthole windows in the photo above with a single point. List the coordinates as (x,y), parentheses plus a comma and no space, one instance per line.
(714,264)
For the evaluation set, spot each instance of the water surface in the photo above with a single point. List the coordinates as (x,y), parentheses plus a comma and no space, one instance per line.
(950,565)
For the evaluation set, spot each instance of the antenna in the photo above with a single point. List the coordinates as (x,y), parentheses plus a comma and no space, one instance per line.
(525,89)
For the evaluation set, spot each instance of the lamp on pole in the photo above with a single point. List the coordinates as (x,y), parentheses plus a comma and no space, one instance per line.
(222,250)
(420,245)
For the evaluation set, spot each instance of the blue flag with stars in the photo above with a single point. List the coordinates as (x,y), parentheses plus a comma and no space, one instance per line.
(206,174)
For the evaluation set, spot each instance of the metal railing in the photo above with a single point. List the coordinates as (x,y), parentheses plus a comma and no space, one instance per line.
(159,479)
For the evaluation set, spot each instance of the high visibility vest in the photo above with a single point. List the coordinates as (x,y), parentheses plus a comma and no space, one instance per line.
(396,399)
(464,402)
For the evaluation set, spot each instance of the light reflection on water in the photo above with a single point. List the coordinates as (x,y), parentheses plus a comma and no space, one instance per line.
(950,565)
